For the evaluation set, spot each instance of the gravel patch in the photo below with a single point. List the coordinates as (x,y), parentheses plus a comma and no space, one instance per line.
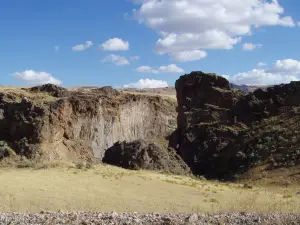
(113,218)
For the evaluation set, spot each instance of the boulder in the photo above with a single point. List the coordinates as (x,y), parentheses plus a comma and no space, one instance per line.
(108,90)
(141,154)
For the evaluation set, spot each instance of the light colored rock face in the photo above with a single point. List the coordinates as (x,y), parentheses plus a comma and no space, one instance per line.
(73,135)
(136,120)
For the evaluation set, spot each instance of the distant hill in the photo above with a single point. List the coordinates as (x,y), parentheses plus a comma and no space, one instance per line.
(248,88)
(169,90)
(164,91)
(172,91)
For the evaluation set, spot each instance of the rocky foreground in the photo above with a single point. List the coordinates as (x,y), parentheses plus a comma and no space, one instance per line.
(135,218)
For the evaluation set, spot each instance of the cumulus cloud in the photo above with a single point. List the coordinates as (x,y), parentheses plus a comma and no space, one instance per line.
(261,77)
(147,83)
(82,47)
(189,25)
(36,78)
(116,59)
(115,44)
(260,64)
(282,71)
(286,66)
(251,46)
(188,55)
(146,69)
(172,68)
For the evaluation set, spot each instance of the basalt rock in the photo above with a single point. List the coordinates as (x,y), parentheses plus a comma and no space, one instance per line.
(107,90)
(52,90)
(141,154)
(223,132)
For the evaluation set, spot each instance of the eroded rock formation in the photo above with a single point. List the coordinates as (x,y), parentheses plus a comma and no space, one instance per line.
(222,132)
(58,124)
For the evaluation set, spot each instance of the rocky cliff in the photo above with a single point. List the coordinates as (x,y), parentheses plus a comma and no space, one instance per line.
(54,123)
(223,132)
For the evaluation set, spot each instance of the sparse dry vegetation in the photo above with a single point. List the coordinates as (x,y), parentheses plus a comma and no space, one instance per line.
(167,96)
(70,187)
(16,94)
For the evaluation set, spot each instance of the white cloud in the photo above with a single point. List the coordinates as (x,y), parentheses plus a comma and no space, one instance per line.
(298,24)
(147,83)
(286,66)
(261,77)
(146,69)
(33,77)
(82,47)
(188,55)
(260,64)
(115,44)
(189,25)
(282,71)
(172,68)
(251,46)
(116,59)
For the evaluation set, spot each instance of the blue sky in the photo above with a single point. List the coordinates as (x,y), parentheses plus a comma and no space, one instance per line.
(150,46)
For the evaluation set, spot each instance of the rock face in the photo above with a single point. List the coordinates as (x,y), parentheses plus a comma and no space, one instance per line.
(79,125)
(222,132)
(203,98)
(52,90)
(141,154)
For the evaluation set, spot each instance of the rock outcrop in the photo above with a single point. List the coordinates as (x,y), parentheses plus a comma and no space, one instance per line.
(59,124)
(222,132)
(52,90)
(146,155)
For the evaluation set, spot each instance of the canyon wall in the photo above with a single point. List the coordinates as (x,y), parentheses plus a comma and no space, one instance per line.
(79,125)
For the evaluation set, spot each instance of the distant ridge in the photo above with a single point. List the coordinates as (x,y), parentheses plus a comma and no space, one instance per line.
(248,88)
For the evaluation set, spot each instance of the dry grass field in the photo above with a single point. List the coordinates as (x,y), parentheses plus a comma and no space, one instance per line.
(168,96)
(16,94)
(106,188)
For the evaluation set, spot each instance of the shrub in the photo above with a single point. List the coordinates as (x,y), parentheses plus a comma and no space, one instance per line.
(83,165)
(213,200)
(5,150)
(288,196)
(79,165)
